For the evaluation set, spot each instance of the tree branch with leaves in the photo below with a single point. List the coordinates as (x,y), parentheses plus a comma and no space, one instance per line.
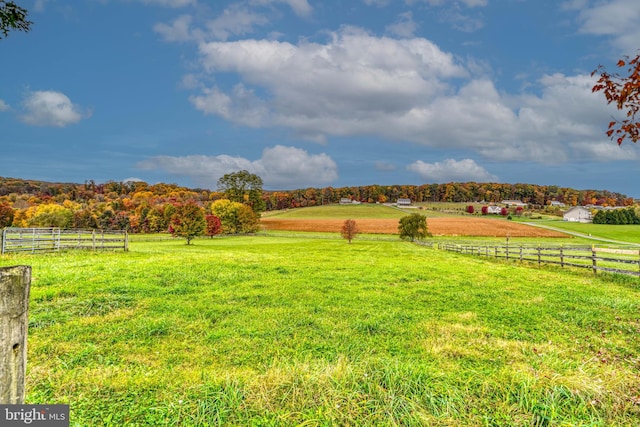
(624,92)
(13,17)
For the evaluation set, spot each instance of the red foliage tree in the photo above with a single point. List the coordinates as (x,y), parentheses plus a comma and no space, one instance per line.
(624,92)
(485,210)
(470,209)
(504,212)
(214,226)
(6,215)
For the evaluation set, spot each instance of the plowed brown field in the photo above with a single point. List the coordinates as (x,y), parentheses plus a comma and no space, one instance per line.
(437,227)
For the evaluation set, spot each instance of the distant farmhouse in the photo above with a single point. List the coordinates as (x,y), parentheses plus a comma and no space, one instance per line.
(403,202)
(556,203)
(515,203)
(348,201)
(493,209)
(578,214)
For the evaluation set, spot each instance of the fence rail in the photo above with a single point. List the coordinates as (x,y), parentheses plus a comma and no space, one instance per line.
(15,240)
(613,260)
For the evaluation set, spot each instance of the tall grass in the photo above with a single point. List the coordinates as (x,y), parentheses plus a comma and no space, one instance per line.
(279,331)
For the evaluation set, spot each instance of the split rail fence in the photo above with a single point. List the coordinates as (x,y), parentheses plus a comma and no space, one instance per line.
(612,260)
(15,240)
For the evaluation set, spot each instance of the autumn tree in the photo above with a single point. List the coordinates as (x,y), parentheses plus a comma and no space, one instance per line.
(243,187)
(235,217)
(12,17)
(624,92)
(6,215)
(413,227)
(214,226)
(188,221)
(349,230)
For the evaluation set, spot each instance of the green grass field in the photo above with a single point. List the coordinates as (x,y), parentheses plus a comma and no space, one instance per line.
(626,233)
(284,331)
(335,211)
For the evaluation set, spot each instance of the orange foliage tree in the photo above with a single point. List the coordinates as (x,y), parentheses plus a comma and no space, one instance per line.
(349,230)
(624,92)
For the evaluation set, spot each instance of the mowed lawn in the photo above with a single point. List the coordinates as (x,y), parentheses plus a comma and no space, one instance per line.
(308,331)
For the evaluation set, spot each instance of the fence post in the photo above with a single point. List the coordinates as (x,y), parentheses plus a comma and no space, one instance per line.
(538,254)
(593,255)
(561,257)
(14,305)
(520,253)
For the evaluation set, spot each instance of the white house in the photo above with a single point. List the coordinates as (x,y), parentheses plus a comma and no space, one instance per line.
(578,214)
(403,202)
(493,209)
(513,203)
(556,203)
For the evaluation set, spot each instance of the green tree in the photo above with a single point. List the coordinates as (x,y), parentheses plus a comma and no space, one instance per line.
(413,227)
(349,230)
(243,187)
(235,217)
(188,221)
(12,17)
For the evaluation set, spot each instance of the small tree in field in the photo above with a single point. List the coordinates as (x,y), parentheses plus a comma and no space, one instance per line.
(214,226)
(470,209)
(504,212)
(349,230)
(187,221)
(413,227)
(624,92)
(485,210)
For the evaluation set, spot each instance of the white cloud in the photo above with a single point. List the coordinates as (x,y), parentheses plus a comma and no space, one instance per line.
(402,90)
(404,26)
(235,20)
(3,106)
(178,30)
(452,170)
(300,7)
(336,88)
(170,3)
(50,108)
(616,18)
(279,167)
(458,3)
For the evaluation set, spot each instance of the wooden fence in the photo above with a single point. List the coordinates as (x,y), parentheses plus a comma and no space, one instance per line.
(15,283)
(56,239)
(613,260)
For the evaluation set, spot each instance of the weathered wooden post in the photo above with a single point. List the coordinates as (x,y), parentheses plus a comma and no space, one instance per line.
(14,305)
(594,255)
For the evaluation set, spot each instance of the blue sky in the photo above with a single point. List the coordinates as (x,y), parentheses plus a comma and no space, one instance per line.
(316,93)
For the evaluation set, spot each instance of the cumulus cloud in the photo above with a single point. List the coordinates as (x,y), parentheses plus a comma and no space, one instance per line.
(616,18)
(3,106)
(357,84)
(452,170)
(279,167)
(50,108)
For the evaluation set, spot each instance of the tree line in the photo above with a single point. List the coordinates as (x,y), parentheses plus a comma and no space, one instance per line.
(140,207)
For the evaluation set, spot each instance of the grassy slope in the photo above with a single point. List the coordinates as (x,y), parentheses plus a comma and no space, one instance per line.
(626,233)
(370,211)
(281,331)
